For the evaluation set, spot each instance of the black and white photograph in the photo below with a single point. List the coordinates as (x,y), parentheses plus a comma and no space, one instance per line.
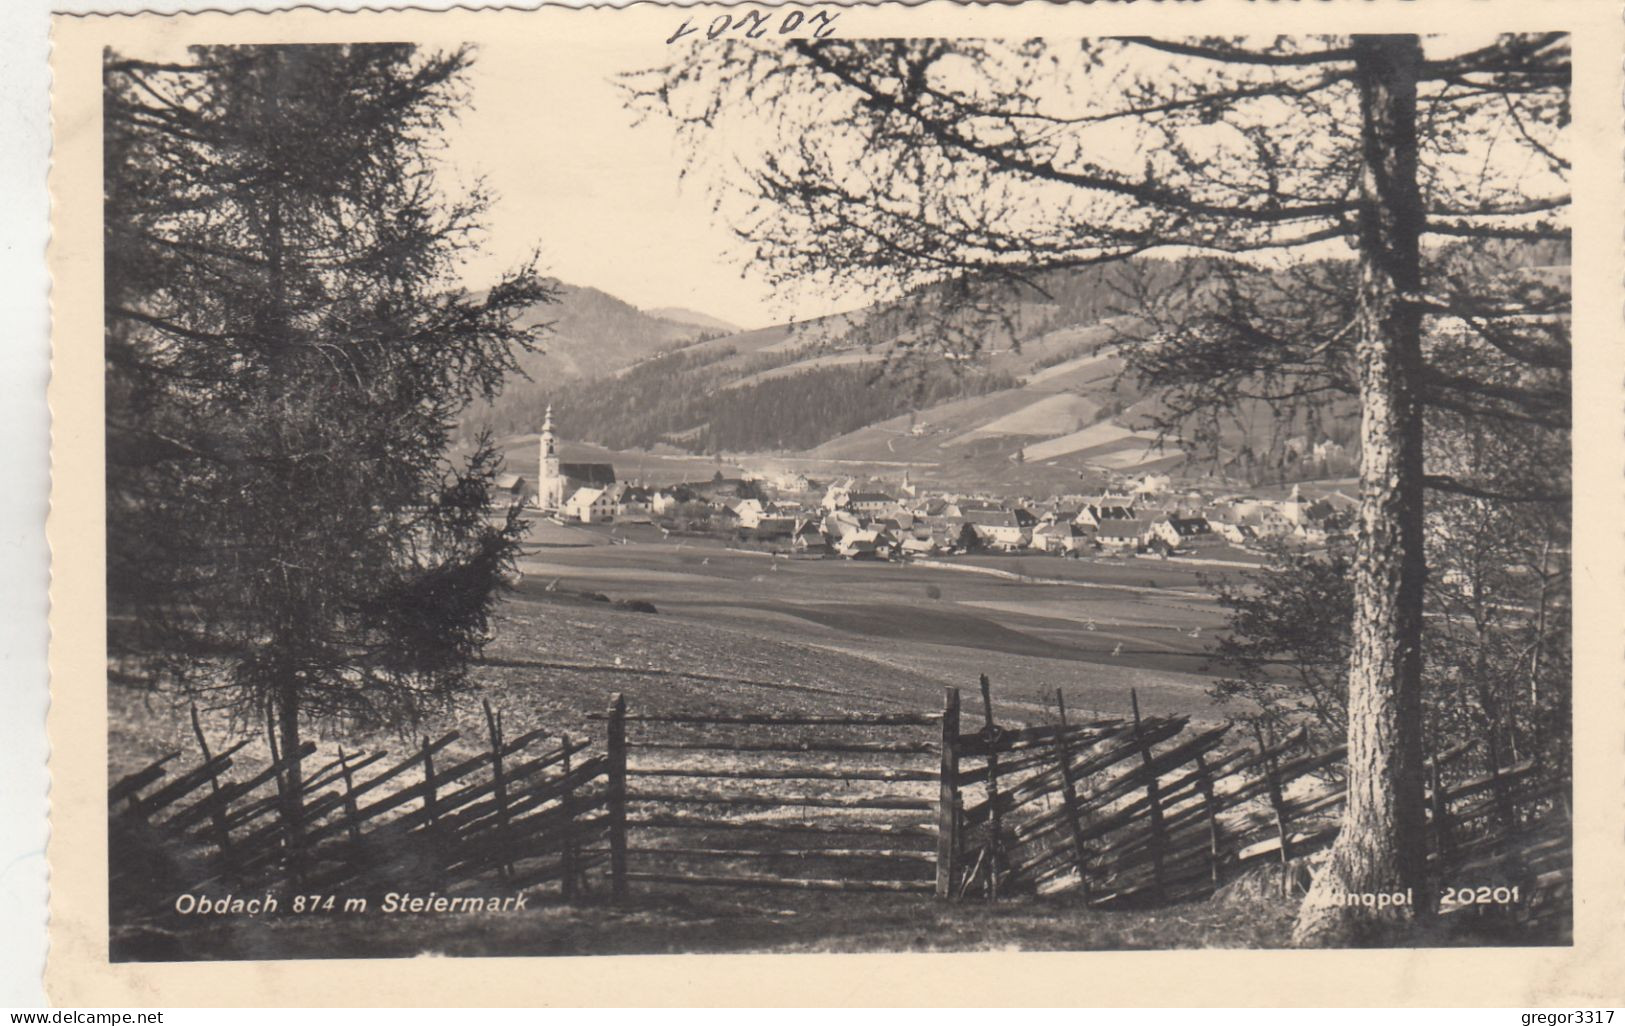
(767,487)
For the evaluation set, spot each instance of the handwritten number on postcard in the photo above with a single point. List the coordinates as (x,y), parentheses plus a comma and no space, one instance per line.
(755,25)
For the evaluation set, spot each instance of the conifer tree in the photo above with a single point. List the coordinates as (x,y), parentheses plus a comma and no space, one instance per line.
(945,177)
(287,350)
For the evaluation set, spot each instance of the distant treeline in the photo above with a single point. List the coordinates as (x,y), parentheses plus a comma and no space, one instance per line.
(679,400)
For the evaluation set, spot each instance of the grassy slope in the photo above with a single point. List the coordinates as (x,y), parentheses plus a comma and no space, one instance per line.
(817,636)
(735,635)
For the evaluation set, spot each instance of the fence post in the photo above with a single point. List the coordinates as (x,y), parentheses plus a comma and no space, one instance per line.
(1153,797)
(1272,781)
(493,729)
(1069,794)
(948,796)
(350,810)
(568,855)
(1442,832)
(1204,780)
(218,815)
(428,785)
(1504,806)
(615,746)
(995,821)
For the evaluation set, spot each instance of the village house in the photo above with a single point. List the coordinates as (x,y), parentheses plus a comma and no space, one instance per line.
(1295,508)
(791,481)
(1001,529)
(1106,509)
(720,491)
(807,536)
(837,496)
(1063,536)
(1061,514)
(871,503)
(1268,522)
(840,523)
(773,527)
(1335,512)
(858,544)
(634,503)
(749,512)
(590,506)
(953,534)
(899,522)
(511,490)
(1185,532)
(1121,534)
(663,502)
(1235,534)
(1152,485)
(962,506)
(1240,507)
(914,545)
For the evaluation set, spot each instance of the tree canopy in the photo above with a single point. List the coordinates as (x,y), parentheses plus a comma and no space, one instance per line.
(944,176)
(287,351)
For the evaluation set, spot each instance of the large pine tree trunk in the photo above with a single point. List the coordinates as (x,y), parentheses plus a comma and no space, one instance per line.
(1382,845)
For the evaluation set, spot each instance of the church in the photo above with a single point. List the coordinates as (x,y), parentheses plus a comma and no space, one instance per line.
(557,481)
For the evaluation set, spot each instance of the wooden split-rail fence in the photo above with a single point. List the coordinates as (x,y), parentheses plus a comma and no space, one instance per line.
(792,801)
(1129,810)
(526,811)
(1148,810)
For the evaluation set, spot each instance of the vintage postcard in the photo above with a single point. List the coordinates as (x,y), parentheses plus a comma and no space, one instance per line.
(831,498)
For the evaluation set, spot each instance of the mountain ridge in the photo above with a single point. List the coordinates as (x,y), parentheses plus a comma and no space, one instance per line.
(1054,394)
(684,315)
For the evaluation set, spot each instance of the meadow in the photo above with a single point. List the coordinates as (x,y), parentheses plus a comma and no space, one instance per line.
(736,631)
(876,635)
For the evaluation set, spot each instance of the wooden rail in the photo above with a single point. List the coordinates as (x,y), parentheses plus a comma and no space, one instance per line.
(512,811)
(1136,809)
(732,767)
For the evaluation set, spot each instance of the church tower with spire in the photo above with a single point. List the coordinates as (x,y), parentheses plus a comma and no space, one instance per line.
(557,481)
(549,479)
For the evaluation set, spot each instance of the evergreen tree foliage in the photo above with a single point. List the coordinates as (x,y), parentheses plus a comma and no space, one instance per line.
(287,353)
(690,401)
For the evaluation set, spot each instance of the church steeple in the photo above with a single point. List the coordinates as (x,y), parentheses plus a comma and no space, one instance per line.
(549,482)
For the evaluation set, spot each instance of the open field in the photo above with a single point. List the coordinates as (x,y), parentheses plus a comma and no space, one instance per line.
(1094,627)
(747,632)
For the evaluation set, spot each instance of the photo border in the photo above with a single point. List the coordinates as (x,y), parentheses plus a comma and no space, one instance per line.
(78,971)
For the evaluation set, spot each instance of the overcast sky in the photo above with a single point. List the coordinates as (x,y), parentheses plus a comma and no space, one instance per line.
(600,198)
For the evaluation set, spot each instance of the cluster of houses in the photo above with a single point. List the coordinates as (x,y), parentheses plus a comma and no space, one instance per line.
(1146,515)
(854,523)
(863,524)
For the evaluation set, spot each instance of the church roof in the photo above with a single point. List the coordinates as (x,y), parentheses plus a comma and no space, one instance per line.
(589,473)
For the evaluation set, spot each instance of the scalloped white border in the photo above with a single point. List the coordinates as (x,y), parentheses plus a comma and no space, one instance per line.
(25,468)
(1589,973)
